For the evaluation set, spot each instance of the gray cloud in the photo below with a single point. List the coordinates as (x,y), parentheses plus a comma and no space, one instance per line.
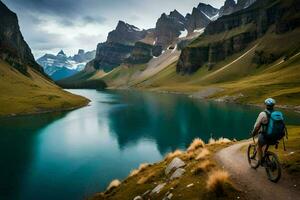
(49,25)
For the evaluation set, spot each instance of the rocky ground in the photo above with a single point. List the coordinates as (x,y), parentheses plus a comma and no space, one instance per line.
(217,170)
(192,174)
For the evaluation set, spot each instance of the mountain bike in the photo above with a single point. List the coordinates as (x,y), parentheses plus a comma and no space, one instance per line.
(269,161)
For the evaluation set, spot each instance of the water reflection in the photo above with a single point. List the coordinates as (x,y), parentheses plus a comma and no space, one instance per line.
(75,154)
(17,150)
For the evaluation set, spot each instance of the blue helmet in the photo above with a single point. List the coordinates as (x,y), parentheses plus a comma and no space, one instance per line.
(270,102)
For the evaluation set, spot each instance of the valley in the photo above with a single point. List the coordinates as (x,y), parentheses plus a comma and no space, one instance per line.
(241,54)
(25,88)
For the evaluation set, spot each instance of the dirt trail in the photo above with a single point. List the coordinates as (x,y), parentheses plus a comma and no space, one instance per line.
(255,182)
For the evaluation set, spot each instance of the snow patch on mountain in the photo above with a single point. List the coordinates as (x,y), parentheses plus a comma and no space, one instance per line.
(183,34)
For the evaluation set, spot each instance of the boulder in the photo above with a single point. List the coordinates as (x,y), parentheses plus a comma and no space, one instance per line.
(138,198)
(174,165)
(158,188)
(177,174)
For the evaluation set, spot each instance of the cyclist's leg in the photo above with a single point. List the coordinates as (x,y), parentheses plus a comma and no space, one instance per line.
(260,145)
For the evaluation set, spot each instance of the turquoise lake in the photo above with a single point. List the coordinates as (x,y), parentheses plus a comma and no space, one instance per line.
(72,155)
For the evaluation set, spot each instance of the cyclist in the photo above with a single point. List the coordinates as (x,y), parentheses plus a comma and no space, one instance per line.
(260,127)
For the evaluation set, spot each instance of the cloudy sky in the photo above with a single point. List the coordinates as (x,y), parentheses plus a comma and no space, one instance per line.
(51,25)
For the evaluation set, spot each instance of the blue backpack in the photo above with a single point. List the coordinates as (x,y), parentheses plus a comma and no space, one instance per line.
(275,129)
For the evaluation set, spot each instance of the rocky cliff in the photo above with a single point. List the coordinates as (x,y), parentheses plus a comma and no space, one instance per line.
(83,56)
(13,47)
(141,53)
(24,86)
(168,28)
(242,4)
(233,33)
(196,20)
(110,55)
(126,34)
(208,9)
(118,47)
(228,8)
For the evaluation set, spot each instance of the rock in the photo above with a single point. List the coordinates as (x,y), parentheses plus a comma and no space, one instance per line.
(141,53)
(158,188)
(212,48)
(242,4)
(177,174)
(169,196)
(196,20)
(110,55)
(228,8)
(119,45)
(126,34)
(174,164)
(146,193)
(138,198)
(13,48)
(208,9)
(168,28)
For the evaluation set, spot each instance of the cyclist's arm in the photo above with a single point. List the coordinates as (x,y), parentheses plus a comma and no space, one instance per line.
(258,124)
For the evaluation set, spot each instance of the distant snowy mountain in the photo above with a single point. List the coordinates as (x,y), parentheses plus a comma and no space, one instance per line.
(61,66)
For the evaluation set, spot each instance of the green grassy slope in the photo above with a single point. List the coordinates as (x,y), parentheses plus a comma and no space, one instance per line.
(84,79)
(34,94)
(239,75)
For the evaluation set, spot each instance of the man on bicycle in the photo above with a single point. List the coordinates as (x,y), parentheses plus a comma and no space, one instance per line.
(260,127)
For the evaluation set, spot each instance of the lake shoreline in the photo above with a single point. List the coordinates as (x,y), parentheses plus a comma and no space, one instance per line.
(295,109)
(12,115)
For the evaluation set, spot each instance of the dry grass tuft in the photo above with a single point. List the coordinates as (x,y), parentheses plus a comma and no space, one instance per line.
(196,144)
(145,179)
(204,153)
(217,180)
(174,154)
(114,184)
(219,141)
(141,168)
(204,166)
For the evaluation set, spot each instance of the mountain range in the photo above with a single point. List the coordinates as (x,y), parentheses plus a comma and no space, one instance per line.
(24,86)
(61,66)
(243,52)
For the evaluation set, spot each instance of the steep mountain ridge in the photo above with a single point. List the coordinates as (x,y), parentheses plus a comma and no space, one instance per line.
(61,66)
(25,88)
(231,34)
(126,34)
(245,57)
(234,54)
(13,47)
(128,44)
(168,28)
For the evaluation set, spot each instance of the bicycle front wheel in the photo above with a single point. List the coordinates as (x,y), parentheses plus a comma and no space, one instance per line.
(273,167)
(252,156)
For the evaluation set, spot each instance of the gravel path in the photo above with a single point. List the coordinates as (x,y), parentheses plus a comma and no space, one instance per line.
(255,182)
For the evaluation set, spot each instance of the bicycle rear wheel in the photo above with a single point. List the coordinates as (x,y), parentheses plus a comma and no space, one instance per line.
(252,156)
(273,167)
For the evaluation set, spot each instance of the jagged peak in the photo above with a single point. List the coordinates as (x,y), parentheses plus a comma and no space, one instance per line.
(203,6)
(123,25)
(61,53)
(81,51)
(230,3)
(176,14)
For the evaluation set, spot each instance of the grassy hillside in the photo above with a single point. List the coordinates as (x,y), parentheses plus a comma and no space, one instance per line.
(238,77)
(84,79)
(33,94)
(203,178)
